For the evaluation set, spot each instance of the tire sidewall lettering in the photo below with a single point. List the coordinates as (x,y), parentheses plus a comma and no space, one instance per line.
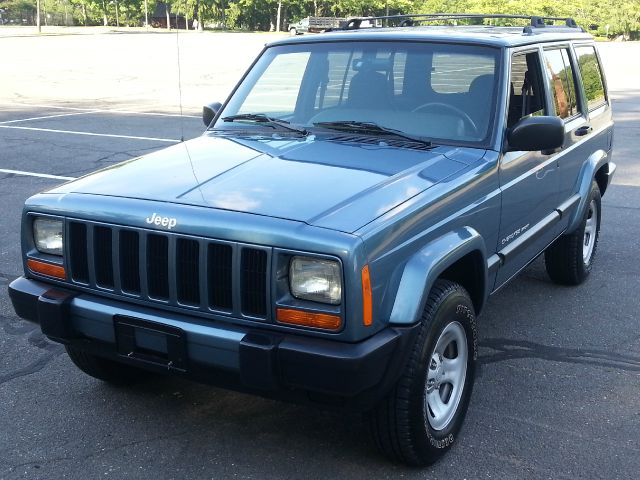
(470,315)
(465,315)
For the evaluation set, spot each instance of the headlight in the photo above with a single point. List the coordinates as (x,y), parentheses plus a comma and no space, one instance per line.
(316,280)
(47,234)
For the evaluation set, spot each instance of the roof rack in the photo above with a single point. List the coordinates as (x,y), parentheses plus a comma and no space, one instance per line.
(411,19)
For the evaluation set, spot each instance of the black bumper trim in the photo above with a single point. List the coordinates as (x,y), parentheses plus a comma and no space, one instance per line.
(22,293)
(54,315)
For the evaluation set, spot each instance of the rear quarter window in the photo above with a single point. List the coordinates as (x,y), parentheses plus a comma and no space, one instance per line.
(591,74)
(561,82)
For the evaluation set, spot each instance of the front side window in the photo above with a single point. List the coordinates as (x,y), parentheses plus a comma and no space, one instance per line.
(526,88)
(591,76)
(561,82)
(440,92)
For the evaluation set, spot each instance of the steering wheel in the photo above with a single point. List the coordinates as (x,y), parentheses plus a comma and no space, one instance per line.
(445,106)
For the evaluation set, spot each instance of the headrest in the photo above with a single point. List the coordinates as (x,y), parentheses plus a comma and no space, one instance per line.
(375,64)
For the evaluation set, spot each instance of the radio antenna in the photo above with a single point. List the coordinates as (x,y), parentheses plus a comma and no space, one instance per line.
(179,76)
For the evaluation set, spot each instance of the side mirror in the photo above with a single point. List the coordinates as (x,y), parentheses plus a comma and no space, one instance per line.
(532,134)
(209,112)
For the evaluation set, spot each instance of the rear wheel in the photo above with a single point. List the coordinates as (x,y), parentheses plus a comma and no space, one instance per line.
(420,419)
(570,258)
(293,32)
(104,369)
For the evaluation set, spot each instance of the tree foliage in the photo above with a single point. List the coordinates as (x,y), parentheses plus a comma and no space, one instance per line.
(612,17)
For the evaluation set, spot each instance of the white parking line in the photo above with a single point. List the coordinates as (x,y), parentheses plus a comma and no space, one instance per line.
(90,110)
(91,134)
(33,174)
(133,112)
(48,116)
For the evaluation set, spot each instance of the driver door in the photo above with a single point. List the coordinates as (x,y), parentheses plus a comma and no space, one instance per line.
(529,180)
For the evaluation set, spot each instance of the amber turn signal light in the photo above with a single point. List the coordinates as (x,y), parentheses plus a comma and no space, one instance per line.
(367,308)
(308,319)
(48,269)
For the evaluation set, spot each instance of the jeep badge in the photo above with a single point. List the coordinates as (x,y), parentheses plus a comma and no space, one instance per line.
(156,219)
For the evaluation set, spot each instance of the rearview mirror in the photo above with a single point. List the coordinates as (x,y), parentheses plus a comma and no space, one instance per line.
(209,112)
(532,134)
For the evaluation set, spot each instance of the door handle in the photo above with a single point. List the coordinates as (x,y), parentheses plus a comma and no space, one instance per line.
(584,130)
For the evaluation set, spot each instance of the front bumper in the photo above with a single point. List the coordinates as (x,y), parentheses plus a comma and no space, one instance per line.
(278,365)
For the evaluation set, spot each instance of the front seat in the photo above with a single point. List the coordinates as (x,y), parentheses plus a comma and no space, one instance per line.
(369,89)
(480,94)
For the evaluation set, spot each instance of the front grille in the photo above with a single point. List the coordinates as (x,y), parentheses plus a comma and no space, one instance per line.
(203,274)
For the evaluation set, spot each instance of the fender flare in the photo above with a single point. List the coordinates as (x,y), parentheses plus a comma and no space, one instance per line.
(587,174)
(426,265)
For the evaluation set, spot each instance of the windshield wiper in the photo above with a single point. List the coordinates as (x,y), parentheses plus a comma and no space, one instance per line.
(262,118)
(370,128)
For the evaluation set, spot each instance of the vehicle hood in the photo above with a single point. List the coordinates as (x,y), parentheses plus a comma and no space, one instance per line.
(341,185)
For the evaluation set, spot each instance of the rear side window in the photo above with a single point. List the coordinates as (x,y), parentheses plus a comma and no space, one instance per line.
(561,82)
(455,72)
(343,65)
(591,76)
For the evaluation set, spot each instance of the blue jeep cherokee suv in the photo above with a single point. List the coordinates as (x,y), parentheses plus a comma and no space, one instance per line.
(334,233)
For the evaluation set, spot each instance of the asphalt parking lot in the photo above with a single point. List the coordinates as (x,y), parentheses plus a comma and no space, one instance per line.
(558,392)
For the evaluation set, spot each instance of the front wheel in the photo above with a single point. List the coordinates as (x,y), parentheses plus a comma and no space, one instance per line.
(570,258)
(420,419)
(293,32)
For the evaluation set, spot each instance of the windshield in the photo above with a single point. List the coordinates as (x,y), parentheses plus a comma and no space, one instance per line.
(441,92)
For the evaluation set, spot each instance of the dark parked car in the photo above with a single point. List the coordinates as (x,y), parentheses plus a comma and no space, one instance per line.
(333,235)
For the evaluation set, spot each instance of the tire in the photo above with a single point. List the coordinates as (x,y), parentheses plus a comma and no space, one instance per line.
(293,32)
(404,425)
(103,369)
(570,258)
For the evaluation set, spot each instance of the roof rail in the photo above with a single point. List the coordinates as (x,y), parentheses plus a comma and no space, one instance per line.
(411,19)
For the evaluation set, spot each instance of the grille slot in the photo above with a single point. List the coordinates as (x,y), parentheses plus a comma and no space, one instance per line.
(102,249)
(188,271)
(78,248)
(219,276)
(158,266)
(130,261)
(253,279)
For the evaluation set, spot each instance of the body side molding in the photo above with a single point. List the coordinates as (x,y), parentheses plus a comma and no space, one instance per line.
(522,242)
(566,206)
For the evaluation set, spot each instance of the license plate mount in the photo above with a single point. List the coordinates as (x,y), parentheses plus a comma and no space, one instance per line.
(151,342)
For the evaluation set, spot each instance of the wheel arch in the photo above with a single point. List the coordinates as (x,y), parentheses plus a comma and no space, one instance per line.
(468,271)
(597,167)
(602,177)
(451,256)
